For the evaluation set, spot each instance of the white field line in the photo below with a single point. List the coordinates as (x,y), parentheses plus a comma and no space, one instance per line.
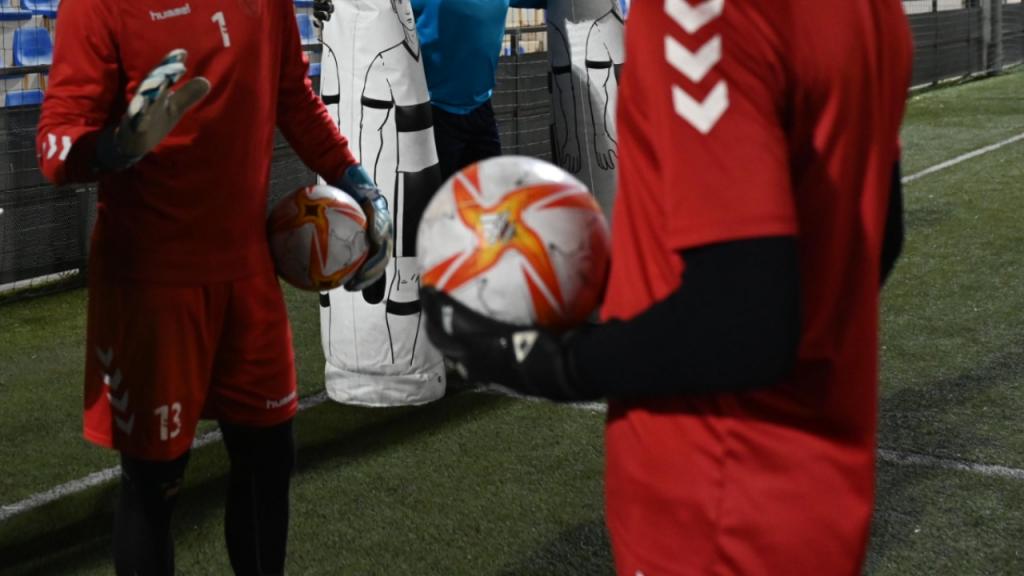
(103,476)
(962,158)
(891,456)
(598,407)
(911,459)
(38,280)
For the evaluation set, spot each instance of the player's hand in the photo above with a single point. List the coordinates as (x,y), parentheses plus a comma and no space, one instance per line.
(322,10)
(379,231)
(530,361)
(152,113)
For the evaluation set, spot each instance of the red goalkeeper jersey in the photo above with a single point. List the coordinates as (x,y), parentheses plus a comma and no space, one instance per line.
(742,119)
(193,210)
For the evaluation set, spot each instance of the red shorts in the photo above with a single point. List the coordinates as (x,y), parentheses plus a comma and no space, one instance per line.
(159,358)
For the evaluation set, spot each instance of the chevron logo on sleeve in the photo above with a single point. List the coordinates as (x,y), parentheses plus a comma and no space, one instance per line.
(50,146)
(702,115)
(693,18)
(695,65)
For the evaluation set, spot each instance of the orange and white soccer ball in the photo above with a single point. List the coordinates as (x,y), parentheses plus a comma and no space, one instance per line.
(518,240)
(317,237)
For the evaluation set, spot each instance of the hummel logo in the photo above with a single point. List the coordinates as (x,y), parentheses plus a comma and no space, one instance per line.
(51,146)
(705,114)
(702,115)
(172,13)
(693,65)
(693,18)
(112,380)
(271,404)
(119,405)
(105,357)
(125,425)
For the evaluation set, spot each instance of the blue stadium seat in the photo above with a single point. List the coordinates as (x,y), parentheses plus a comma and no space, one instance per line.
(23,98)
(314,70)
(303,3)
(44,8)
(9,13)
(32,47)
(306,31)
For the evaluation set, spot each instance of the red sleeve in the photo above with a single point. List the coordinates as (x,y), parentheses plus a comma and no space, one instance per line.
(302,116)
(83,92)
(723,139)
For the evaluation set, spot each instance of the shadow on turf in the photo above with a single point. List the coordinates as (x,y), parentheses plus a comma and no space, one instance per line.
(583,550)
(34,545)
(58,547)
(958,395)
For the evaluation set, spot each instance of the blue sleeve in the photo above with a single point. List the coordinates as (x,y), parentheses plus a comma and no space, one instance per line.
(539,4)
(417,7)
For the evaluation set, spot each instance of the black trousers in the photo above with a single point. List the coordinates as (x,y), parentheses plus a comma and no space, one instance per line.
(463,139)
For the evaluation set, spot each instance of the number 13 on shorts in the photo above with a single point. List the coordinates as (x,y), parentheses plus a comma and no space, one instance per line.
(170,420)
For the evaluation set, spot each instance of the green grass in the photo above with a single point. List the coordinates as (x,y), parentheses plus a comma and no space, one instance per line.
(932,521)
(480,484)
(42,356)
(954,315)
(396,491)
(945,123)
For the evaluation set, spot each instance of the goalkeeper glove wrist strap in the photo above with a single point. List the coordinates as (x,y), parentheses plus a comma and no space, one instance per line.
(358,184)
(109,157)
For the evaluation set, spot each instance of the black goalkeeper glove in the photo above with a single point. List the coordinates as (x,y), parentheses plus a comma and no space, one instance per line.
(322,10)
(530,361)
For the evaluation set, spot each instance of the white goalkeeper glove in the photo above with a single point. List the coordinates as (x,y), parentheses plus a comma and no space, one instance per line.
(379,230)
(152,113)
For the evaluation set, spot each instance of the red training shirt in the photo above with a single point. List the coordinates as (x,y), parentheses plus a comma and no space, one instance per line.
(193,210)
(742,119)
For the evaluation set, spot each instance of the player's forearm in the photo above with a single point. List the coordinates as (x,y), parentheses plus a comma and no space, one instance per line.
(308,127)
(732,325)
(65,158)
(892,241)
(83,86)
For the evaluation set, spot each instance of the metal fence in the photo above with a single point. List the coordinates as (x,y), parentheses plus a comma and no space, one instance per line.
(1013,33)
(959,38)
(44,230)
(522,96)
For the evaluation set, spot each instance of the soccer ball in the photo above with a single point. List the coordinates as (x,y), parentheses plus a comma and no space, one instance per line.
(317,237)
(516,239)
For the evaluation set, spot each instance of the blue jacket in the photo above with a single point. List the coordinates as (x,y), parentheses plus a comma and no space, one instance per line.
(460,40)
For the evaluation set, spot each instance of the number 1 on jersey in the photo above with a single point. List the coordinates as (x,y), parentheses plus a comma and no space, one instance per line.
(220,19)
